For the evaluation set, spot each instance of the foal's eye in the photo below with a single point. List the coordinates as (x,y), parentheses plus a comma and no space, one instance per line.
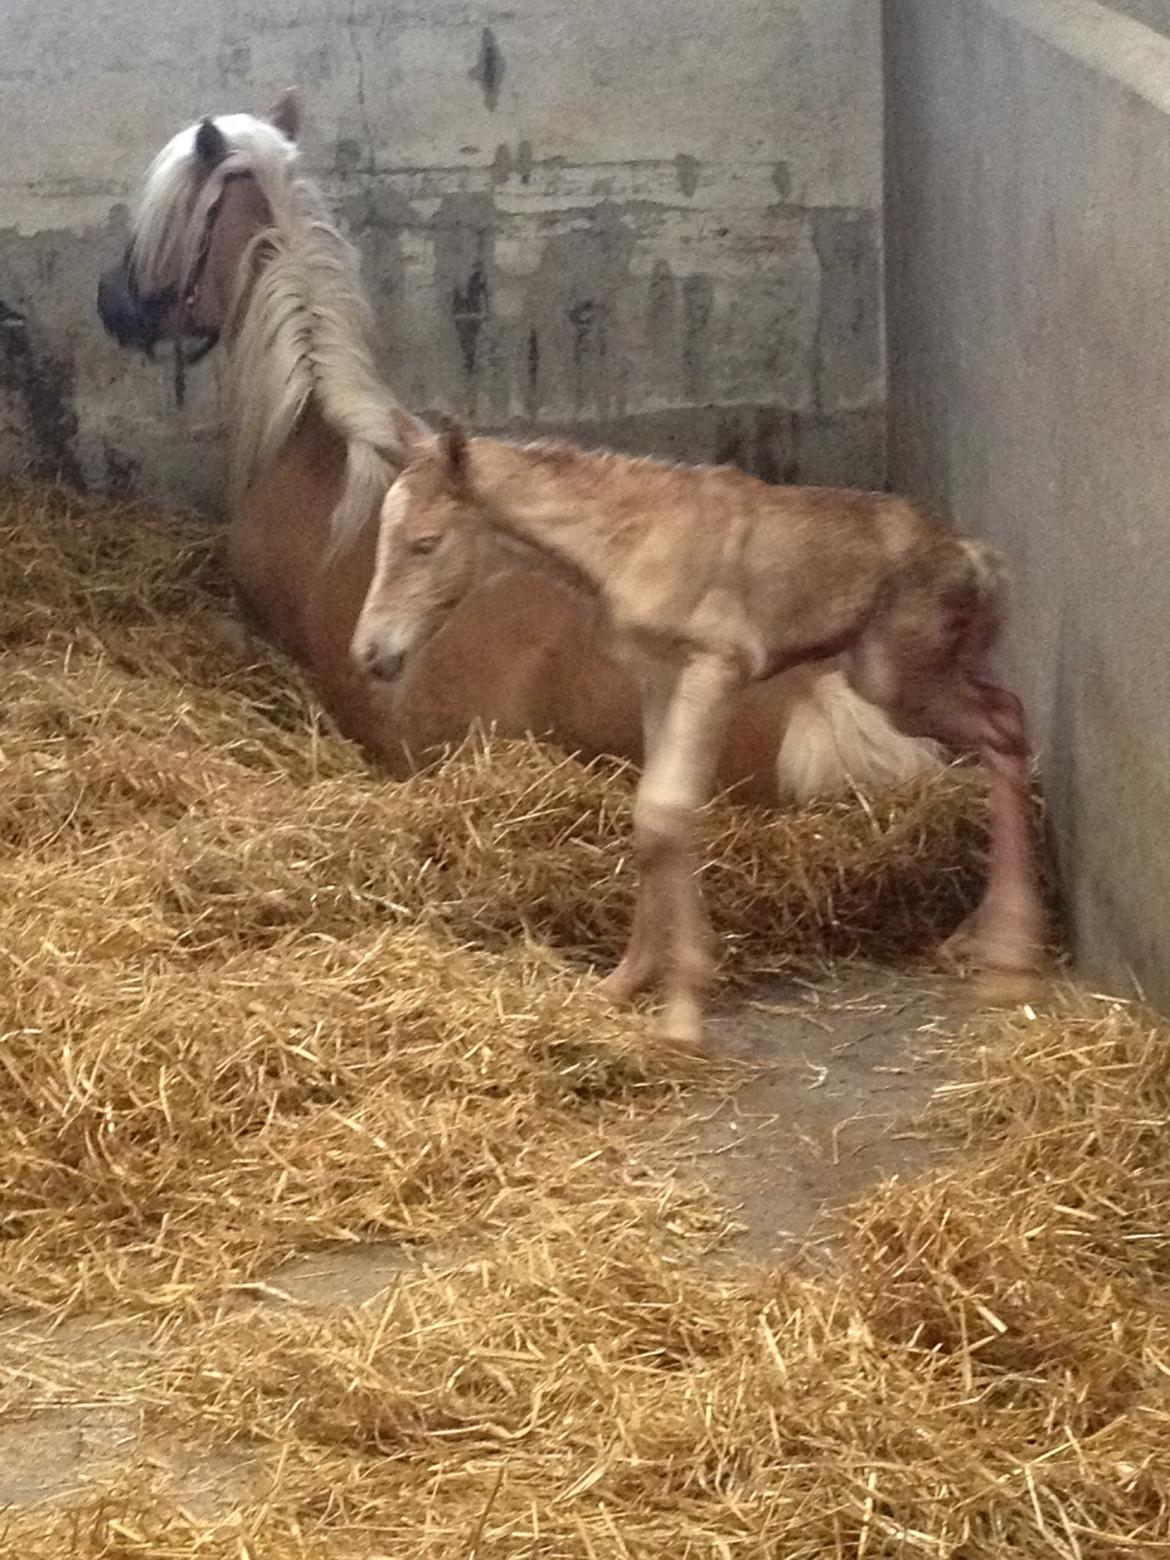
(422,545)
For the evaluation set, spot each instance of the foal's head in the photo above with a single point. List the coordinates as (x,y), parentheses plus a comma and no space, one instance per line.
(202,206)
(431,539)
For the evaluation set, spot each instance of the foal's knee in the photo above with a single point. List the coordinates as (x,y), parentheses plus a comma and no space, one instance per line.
(660,830)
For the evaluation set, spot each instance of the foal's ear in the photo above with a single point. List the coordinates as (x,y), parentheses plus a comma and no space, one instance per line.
(407,437)
(285,114)
(453,448)
(211,145)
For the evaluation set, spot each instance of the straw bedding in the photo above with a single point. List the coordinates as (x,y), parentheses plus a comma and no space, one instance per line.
(255,999)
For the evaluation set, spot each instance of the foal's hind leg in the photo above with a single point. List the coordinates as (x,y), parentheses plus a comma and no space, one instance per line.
(947,700)
(985,935)
(1008,931)
(1008,936)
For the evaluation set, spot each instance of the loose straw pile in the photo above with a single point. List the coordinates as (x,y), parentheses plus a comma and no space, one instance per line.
(255,999)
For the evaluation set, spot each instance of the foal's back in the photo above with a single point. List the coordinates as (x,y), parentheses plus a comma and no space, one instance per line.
(817,562)
(781,573)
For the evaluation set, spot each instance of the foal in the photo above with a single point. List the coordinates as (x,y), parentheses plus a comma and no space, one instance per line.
(709,580)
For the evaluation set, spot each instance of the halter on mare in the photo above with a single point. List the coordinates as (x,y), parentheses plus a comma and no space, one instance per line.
(189,291)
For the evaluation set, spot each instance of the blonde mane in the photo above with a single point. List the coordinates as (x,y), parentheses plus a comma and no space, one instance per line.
(301,324)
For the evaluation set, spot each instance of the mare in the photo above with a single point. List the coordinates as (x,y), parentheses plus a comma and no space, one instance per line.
(231,243)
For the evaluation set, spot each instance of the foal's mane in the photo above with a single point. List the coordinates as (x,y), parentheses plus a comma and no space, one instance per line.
(301,322)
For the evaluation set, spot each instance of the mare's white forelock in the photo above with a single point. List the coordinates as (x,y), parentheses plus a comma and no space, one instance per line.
(301,326)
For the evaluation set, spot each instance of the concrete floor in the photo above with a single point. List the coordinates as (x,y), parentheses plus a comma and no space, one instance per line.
(830,1111)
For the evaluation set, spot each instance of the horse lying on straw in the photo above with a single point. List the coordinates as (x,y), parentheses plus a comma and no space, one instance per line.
(231,243)
(711,580)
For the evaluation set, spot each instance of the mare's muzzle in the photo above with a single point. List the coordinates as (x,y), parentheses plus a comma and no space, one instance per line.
(131,319)
(373,657)
(385,665)
(139,321)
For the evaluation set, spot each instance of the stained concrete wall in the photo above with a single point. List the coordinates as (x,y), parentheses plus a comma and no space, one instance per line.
(654,222)
(1154,13)
(1028,197)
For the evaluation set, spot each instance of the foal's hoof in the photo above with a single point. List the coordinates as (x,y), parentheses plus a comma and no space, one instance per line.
(961,949)
(619,987)
(681,1027)
(1008,988)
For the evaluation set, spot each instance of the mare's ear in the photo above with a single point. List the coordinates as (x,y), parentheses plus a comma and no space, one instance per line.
(285,114)
(211,145)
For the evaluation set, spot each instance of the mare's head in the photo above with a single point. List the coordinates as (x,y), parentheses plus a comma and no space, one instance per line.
(431,539)
(202,206)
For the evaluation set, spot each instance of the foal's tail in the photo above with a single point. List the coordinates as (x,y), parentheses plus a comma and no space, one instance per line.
(990,574)
(983,594)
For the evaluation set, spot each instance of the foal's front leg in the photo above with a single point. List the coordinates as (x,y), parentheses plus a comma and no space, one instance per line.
(670,935)
(641,963)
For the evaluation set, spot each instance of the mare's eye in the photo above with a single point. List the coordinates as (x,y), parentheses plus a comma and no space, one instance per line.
(422,545)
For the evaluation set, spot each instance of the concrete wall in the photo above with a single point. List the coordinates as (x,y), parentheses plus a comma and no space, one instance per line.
(1028,191)
(1155,13)
(654,222)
